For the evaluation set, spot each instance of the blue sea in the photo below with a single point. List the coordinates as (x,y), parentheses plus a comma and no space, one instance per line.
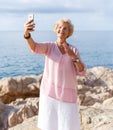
(95,47)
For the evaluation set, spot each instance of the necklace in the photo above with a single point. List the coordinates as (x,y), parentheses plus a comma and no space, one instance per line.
(60,46)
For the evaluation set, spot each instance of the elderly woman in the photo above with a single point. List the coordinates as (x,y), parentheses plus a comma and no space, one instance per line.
(58,92)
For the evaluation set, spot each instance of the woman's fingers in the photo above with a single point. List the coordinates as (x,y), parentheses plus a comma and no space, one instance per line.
(29,26)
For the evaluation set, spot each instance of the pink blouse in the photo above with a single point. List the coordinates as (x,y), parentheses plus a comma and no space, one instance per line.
(59,77)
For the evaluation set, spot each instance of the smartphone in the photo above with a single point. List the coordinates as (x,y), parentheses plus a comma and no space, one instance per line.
(31,17)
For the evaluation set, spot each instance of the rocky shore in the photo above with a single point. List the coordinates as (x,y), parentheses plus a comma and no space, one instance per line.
(19,97)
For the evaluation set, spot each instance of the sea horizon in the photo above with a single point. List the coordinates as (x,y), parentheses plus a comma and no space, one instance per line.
(95,48)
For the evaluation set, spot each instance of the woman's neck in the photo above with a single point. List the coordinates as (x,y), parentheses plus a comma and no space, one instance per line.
(60,41)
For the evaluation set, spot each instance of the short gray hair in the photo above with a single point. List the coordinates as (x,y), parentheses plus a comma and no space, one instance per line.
(64,20)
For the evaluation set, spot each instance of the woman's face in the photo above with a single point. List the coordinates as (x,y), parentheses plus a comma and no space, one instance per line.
(62,30)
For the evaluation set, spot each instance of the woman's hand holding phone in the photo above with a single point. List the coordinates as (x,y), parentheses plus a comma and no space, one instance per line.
(29,25)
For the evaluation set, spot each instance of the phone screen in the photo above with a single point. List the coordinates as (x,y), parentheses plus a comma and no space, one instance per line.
(31,17)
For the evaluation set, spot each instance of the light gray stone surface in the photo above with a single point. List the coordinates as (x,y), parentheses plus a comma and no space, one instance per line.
(19,101)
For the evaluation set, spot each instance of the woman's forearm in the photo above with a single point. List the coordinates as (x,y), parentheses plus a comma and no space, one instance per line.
(29,27)
(30,41)
(79,65)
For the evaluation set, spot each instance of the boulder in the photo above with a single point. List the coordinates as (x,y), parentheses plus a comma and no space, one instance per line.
(19,87)
(19,98)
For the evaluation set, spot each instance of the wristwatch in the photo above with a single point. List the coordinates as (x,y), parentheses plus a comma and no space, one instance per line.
(77,60)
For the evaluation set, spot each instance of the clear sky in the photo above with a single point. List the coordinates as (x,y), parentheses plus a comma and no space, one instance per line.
(84,14)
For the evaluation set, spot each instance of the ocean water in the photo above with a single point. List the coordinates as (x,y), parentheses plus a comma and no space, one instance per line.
(95,47)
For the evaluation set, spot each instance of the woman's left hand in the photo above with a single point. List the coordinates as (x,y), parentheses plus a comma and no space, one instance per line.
(69,51)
